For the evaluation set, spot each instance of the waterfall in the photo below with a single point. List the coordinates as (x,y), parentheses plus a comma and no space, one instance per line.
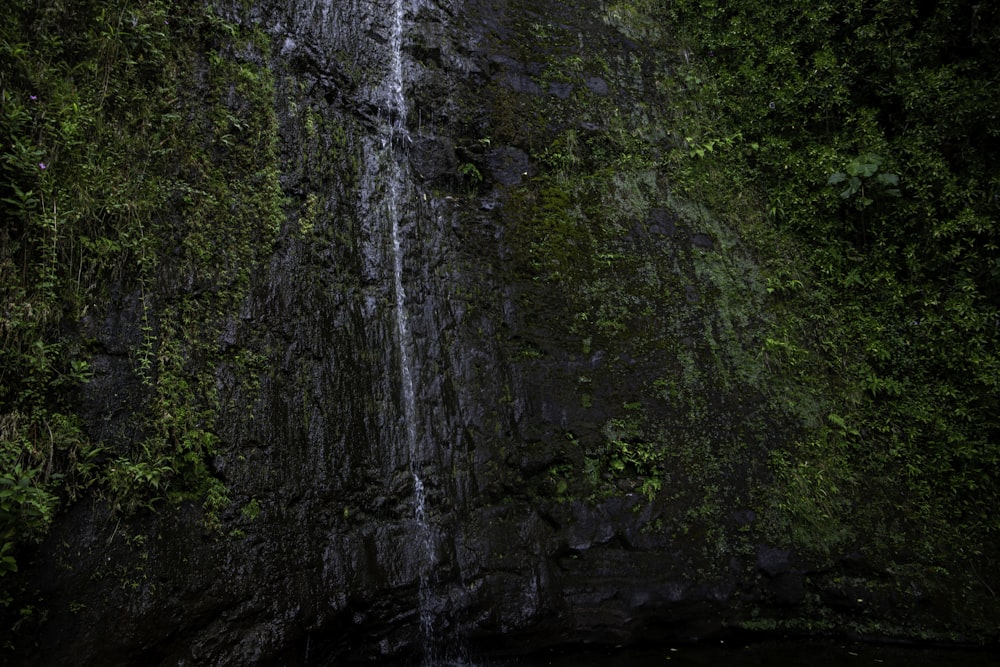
(398,136)
(396,139)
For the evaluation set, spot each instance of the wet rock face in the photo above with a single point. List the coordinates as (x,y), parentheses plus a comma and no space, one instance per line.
(433,157)
(508,165)
(585,448)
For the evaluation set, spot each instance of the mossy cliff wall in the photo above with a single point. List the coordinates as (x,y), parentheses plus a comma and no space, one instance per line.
(629,414)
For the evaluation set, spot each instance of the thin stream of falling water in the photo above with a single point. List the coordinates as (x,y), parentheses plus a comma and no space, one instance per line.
(410,413)
(397,134)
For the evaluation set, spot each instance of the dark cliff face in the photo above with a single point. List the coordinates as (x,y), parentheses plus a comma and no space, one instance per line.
(590,420)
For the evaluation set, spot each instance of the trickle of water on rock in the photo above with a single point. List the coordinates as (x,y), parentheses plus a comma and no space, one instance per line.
(395,138)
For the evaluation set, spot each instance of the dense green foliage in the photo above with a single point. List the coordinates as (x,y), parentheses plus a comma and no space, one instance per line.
(871,129)
(115,184)
(850,146)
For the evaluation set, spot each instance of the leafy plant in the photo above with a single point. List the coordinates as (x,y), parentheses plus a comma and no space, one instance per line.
(863,173)
(100,165)
(629,455)
(469,171)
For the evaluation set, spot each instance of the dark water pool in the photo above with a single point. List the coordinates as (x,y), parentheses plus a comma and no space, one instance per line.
(761,654)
